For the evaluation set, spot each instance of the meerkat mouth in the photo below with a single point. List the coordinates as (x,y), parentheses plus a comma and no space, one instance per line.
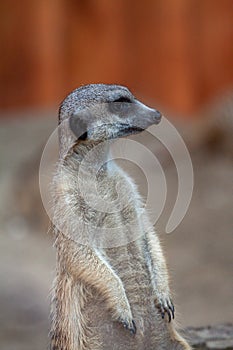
(126,129)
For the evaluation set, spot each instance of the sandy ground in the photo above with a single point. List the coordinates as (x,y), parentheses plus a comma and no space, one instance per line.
(199,251)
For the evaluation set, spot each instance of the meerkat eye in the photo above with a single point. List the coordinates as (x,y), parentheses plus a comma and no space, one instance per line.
(120,105)
(123,99)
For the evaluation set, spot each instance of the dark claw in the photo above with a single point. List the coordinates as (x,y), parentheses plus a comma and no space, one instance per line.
(132,328)
(168,313)
(173,313)
(169,309)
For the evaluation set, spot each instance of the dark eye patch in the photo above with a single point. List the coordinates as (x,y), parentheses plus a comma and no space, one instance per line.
(123,99)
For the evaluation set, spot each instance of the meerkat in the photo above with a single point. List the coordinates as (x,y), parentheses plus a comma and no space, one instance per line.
(112,287)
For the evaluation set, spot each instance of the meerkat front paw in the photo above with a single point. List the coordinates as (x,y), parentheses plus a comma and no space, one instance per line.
(165,306)
(129,324)
(124,317)
(121,311)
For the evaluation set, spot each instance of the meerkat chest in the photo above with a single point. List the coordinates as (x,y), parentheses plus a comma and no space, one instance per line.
(108,209)
(125,222)
(121,200)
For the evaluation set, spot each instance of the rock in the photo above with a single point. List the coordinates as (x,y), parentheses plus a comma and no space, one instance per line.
(219,337)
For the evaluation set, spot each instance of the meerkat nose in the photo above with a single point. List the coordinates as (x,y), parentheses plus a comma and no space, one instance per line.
(156,115)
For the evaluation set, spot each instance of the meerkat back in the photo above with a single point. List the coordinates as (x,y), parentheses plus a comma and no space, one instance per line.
(111,289)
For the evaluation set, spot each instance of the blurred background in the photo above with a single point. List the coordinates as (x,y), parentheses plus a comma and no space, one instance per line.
(176,55)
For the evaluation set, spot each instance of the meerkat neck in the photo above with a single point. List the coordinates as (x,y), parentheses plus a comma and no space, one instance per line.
(91,155)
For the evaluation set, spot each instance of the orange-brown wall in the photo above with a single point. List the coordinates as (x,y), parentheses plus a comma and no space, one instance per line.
(177,52)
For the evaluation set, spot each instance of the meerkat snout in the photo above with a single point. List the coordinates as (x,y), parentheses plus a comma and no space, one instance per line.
(151,113)
(118,114)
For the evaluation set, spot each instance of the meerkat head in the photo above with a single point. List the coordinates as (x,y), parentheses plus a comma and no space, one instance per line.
(100,112)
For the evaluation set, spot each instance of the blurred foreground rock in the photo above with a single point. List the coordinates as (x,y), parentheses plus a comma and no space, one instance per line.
(219,337)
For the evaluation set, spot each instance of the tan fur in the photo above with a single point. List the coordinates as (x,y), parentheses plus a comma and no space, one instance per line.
(101,289)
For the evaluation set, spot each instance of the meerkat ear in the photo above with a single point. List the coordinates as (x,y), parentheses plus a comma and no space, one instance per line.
(78,125)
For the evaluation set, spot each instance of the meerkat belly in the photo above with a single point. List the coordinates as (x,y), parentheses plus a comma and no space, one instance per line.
(123,245)
(130,264)
(128,252)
